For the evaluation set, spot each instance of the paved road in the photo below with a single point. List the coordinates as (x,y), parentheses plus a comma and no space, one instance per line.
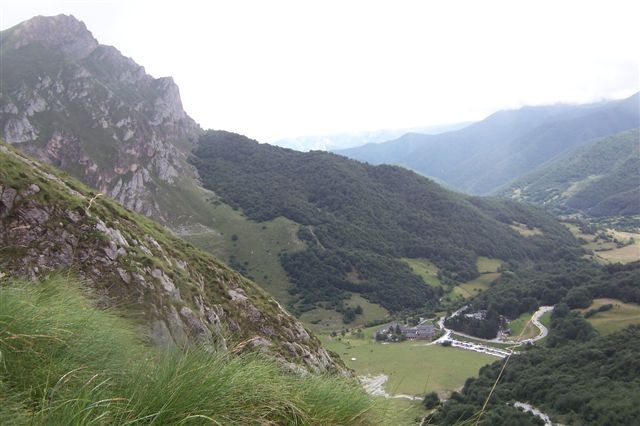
(448,335)
(535,319)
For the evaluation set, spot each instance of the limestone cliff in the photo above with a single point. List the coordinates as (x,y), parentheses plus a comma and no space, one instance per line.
(87,109)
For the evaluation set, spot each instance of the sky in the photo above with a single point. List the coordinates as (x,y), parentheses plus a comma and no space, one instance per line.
(275,69)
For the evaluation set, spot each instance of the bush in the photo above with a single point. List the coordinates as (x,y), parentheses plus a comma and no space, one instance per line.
(431,400)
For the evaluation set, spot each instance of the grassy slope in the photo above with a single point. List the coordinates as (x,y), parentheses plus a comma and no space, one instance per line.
(607,251)
(66,362)
(620,316)
(254,247)
(487,267)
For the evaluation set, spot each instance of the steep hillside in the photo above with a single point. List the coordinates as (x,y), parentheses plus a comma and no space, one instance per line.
(599,179)
(87,109)
(486,155)
(358,221)
(176,292)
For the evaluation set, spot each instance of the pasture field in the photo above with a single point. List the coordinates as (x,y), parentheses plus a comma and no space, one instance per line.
(413,367)
(525,230)
(258,244)
(476,286)
(606,250)
(620,316)
(625,254)
(425,269)
(326,320)
(487,264)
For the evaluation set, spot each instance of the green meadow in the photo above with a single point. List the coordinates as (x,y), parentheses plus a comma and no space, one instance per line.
(618,317)
(413,367)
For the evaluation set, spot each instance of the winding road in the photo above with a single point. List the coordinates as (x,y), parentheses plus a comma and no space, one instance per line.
(478,347)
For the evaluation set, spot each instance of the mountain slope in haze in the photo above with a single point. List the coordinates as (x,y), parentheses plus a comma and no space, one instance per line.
(177,293)
(486,155)
(358,220)
(601,178)
(87,109)
(348,140)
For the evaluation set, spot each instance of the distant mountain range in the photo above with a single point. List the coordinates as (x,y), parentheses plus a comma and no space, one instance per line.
(332,142)
(600,178)
(485,156)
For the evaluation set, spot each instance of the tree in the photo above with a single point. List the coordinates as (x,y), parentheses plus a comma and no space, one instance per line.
(431,400)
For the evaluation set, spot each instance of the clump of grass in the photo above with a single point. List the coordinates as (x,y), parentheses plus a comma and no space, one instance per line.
(62,361)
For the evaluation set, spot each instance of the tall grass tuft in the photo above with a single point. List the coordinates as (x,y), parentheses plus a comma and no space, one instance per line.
(62,361)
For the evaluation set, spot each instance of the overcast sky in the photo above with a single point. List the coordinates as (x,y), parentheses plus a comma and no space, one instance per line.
(270,69)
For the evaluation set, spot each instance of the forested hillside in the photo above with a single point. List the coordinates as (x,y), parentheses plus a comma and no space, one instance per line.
(599,179)
(594,382)
(486,155)
(574,283)
(358,220)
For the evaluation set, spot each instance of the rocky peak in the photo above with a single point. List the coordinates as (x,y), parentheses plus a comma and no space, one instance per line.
(62,33)
(94,113)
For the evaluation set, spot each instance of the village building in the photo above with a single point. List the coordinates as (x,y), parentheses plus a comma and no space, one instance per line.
(419,332)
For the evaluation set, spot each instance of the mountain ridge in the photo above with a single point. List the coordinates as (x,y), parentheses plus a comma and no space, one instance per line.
(486,155)
(600,178)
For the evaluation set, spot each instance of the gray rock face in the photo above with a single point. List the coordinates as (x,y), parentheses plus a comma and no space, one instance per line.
(61,32)
(93,112)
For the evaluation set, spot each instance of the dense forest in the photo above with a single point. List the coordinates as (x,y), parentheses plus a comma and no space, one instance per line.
(587,380)
(357,218)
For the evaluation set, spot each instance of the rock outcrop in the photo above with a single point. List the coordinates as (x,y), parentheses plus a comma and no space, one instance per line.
(87,109)
(178,293)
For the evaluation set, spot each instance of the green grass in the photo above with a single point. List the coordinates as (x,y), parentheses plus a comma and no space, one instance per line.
(476,286)
(522,328)
(620,316)
(487,264)
(66,362)
(413,368)
(426,269)
(325,320)
(405,412)
(608,251)
(526,231)
(254,245)
(545,319)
